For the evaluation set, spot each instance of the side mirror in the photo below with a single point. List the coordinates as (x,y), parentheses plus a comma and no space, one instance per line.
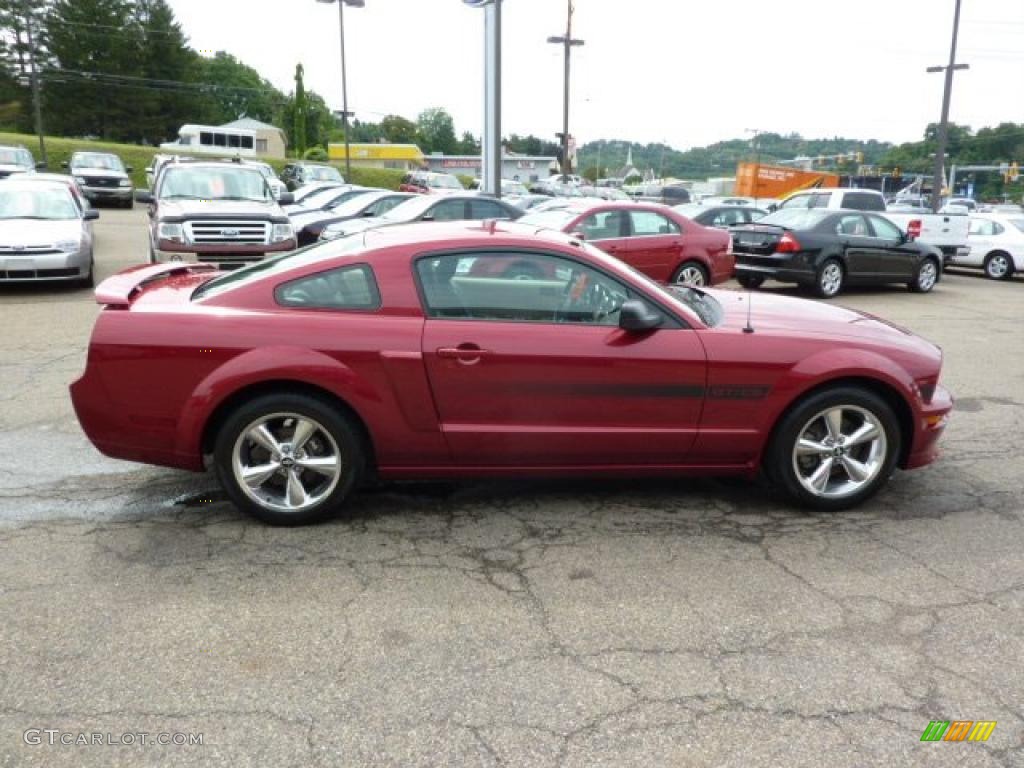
(578,235)
(90,215)
(637,317)
(427,217)
(143,196)
(369,213)
(286,198)
(128,169)
(40,166)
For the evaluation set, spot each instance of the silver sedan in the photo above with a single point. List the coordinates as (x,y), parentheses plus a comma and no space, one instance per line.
(45,233)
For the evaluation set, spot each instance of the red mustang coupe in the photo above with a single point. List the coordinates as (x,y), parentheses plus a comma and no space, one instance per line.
(387,355)
(660,242)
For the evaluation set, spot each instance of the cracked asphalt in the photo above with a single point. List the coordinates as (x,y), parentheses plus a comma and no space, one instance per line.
(548,623)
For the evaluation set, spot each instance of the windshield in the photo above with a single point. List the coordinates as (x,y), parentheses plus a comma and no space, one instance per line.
(16,157)
(322,173)
(227,183)
(551,219)
(278,264)
(321,197)
(443,182)
(356,202)
(795,218)
(97,160)
(52,204)
(410,210)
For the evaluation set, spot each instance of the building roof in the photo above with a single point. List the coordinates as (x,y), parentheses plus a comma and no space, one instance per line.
(249,124)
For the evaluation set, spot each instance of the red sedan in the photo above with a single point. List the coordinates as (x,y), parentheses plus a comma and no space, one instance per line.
(387,356)
(658,241)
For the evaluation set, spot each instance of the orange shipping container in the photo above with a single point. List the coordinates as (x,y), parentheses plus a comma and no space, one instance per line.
(778,181)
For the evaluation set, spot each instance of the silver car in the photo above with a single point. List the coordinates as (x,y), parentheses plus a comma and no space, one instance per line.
(102,177)
(45,233)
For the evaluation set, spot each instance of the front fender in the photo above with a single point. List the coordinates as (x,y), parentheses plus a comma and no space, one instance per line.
(259,366)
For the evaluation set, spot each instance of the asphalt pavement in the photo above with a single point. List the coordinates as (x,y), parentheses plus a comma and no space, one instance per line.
(690,623)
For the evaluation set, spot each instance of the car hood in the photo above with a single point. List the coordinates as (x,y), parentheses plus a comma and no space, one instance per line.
(15,232)
(787,315)
(98,173)
(171,210)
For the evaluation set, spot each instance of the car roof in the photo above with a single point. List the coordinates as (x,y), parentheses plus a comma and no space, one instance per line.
(454,233)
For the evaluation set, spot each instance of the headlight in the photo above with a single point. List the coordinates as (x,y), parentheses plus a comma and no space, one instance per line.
(69,246)
(80,180)
(173,232)
(125,183)
(281,233)
(331,234)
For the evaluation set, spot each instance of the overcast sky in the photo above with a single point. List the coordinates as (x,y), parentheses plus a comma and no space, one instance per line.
(686,72)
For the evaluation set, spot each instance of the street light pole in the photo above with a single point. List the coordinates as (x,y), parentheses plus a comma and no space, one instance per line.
(943,134)
(567,42)
(490,144)
(344,79)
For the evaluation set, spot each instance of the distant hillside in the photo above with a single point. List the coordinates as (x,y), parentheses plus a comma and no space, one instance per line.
(719,159)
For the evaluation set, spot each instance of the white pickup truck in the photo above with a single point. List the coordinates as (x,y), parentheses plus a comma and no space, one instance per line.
(945,231)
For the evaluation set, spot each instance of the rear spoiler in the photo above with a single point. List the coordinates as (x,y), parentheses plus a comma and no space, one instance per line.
(117,291)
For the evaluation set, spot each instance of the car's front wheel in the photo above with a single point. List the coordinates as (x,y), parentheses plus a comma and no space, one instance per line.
(998,265)
(835,449)
(750,282)
(691,273)
(288,459)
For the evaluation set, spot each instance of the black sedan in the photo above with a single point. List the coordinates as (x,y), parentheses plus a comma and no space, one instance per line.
(309,225)
(828,250)
(721,216)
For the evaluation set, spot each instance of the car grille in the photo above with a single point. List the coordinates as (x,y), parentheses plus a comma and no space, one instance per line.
(38,274)
(101,181)
(230,232)
(27,250)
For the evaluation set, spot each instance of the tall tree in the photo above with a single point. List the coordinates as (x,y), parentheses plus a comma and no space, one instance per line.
(398,130)
(436,131)
(299,126)
(167,59)
(232,89)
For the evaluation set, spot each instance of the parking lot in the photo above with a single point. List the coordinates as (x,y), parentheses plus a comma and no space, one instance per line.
(549,623)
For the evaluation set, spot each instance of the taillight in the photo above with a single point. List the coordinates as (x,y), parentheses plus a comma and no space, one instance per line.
(788,244)
(914,228)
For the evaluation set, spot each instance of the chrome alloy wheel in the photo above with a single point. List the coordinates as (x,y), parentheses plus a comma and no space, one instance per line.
(927,276)
(286,462)
(840,451)
(691,274)
(997,265)
(831,279)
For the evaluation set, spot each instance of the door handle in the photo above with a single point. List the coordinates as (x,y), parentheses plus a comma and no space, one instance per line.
(467,354)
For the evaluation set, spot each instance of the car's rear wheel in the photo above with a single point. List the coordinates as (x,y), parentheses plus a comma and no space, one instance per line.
(90,279)
(925,276)
(998,265)
(835,449)
(288,459)
(691,273)
(829,279)
(750,282)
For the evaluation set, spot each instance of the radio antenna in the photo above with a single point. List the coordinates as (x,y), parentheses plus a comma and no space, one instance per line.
(748,328)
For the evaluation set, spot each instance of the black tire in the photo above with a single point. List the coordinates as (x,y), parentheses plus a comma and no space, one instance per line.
(926,275)
(89,280)
(338,426)
(750,282)
(827,282)
(780,462)
(129,204)
(693,267)
(998,266)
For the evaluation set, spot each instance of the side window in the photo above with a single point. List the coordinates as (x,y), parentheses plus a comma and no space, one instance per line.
(819,200)
(448,210)
(852,224)
(383,205)
(352,287)
(997,229)
(603,226)
(862,201)
(486,209)
(206,138)
(646,223)
(729,216)
(981,227)
(519,287)
(885,228)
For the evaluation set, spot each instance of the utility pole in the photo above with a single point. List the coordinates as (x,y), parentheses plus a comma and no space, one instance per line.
(943,136)
(567,42)
(37,106)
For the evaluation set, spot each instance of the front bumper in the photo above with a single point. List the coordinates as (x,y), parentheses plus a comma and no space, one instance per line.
(227,255)
(931,423)
(44,266)
(108,193)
